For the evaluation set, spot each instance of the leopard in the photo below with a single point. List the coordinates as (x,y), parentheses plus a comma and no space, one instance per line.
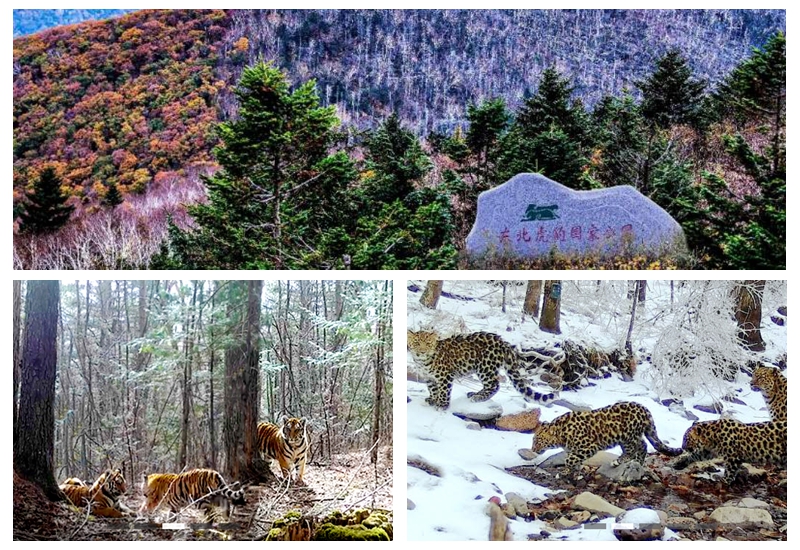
(770,382)
(480,353)
(583,433)
(735,442)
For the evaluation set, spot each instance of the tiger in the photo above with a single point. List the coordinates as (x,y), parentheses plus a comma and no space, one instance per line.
(201,486)
(288,444)
(103,494)
(74,481)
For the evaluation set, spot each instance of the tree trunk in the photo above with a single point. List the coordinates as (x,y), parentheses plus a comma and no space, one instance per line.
(532,294)
(642,294)
(212,344)
(242,389)
(748,314)
(33,454)
(17,326)
(431,295)
(636,292)
(379,375)
(551,308)
(187,377)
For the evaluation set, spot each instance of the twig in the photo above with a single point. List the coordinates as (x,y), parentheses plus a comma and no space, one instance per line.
(85,520)
(350,481)
(270,507)
(372,494)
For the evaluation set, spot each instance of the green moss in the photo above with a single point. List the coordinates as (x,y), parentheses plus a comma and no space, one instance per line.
(359,524)
(328,531)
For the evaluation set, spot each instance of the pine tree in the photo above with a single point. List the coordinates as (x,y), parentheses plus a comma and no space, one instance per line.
(279,189)
(488,122)
(620,137)
(46,209)
(746,232)
(551,107)
(756,90)
(113,197)
(399,226)
(397,159)
(671,95)
(549,135)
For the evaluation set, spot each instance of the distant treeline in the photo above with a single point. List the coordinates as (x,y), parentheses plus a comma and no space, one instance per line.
(31,21)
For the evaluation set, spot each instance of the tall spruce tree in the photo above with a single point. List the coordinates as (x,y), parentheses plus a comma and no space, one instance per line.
(728,230)
(113,196)
(620,138)
(756,91)
(397,160)
(549,135)
(488,122)
(401,226)
(279,189)
(671,95)
(45,209)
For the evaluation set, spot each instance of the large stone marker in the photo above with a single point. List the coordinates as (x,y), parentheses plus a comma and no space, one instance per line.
(531,215)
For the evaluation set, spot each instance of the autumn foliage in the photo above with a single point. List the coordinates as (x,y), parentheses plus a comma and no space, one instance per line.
(116,101)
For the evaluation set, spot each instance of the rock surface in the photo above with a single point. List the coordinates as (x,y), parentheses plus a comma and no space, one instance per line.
(731,514)
(531,215)
(593,503)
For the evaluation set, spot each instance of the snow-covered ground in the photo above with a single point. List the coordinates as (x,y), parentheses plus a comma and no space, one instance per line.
(472,462)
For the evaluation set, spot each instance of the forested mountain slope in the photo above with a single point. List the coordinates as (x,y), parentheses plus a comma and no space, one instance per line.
(127,112)
(429,64)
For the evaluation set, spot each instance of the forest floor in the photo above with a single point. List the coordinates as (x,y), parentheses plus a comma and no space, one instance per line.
(349,481)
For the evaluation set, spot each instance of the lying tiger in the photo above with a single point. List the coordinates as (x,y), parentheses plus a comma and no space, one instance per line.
(203,487)
(103,495)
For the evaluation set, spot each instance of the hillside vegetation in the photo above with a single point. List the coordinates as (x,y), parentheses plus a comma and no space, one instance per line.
(428,108)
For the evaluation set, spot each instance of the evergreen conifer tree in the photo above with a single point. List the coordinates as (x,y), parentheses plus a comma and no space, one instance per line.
(488,122)
(549,135)
(400,226)
(671,95)
(397,159)
(46,209)
(279,189)
(756,91)
(113,197)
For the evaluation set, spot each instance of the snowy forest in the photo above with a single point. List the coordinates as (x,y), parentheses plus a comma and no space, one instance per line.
(252,406)
(380,129)
(690,353)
